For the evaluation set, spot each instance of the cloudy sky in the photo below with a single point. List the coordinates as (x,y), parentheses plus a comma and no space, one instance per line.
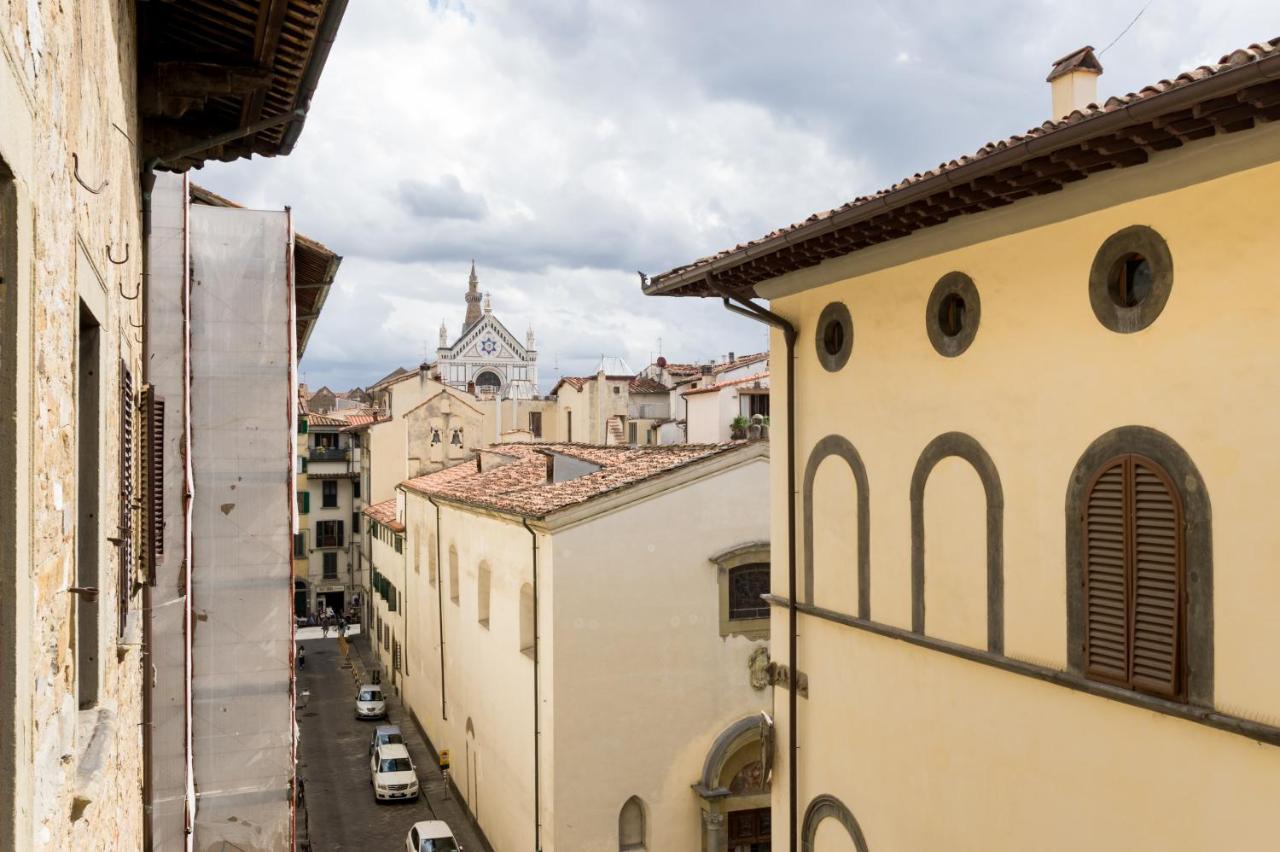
(566,144)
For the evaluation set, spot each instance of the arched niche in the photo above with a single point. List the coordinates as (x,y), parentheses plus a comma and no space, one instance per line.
(836,445)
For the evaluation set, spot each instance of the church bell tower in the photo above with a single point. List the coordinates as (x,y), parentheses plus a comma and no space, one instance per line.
(473,298)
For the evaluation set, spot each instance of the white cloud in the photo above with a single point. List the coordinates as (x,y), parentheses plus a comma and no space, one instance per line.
(565,145)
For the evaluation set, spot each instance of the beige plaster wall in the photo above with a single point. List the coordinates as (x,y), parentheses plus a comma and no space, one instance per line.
(487,680)
(889,726)
(66,86)
(644,682)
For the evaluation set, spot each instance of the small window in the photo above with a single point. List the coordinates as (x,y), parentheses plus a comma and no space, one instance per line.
(482,594)
(1131,279)
(355,488)
(399,543)
(952,314)
(535,423)
(304,502)
(617,389)
(631,433)
(568,419)
(329,495)
(528,632)
(631,825)
(300,545)
(834,339)
(746,585)
(453,574)
(331,565)
(329,534)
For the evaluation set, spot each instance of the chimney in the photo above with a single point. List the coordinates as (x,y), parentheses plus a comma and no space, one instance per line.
(1074,80)
(731,358)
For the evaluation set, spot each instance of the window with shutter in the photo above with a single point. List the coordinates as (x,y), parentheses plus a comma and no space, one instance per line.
(1134,577)
(152,480)
(126,564)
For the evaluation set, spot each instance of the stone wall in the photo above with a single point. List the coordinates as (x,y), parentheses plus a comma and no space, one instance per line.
(66,96)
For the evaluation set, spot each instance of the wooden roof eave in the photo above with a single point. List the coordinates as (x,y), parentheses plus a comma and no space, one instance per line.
(696,280)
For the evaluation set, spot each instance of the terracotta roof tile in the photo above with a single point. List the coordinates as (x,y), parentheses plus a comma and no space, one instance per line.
(385,514)
(520,486)
(730,383)
(644,384)
(325,420)
(786,237)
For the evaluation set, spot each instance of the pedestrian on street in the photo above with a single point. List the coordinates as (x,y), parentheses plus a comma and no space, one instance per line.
(302,656)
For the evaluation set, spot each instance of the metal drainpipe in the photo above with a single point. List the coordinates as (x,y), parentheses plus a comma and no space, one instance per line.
(747,308)
(444,706)
(537,714)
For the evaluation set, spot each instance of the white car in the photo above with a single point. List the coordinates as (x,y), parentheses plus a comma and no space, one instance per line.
(391,773)
(370,703)
(431,835)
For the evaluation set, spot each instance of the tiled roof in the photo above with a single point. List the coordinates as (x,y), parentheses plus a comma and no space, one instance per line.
(397,373)
(740,361)
(643,384)
(521,487)
(577,382)
(718,386)
(1241,90)
(325,420)
(356,421)
(385,514)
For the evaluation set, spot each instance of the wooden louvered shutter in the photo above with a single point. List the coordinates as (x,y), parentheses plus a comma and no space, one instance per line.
(126,564)
(1106,582)
(1155,644)
(152,480)
(1134,577)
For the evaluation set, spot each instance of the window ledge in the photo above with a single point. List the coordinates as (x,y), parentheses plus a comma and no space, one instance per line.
(1209,717)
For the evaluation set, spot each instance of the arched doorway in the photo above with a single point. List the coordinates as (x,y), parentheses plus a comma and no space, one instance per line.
(734,787)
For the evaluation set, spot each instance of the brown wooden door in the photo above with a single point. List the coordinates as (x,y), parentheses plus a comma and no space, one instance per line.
(750,831)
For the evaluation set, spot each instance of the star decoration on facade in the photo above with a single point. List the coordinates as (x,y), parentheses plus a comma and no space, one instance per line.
(488,346)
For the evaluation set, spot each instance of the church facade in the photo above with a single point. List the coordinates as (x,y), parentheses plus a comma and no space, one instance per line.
(486,359)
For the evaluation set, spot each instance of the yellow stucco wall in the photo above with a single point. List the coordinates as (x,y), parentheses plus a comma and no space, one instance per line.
(928,750)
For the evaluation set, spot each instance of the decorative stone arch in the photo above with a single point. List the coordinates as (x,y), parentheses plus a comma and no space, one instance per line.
(965,447)
(712,788)
(483,372)
(1198,544)
(829,807)
(837,445)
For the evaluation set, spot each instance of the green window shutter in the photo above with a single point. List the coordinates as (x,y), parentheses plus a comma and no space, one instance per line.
(304,502)
(302,426)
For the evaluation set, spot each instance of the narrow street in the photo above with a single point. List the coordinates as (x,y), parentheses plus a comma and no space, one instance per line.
(333,762)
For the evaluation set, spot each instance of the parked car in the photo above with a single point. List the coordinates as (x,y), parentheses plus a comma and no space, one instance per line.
(370,702)
(391,773)
(385,735)
(431,835)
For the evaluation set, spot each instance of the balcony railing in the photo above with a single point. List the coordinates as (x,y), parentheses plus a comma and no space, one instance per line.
(330,453)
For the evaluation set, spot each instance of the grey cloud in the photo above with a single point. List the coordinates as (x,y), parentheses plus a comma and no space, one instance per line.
(443,198)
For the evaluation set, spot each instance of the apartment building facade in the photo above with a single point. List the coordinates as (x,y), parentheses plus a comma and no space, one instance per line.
(542,613)
(1024,533)
(331,505)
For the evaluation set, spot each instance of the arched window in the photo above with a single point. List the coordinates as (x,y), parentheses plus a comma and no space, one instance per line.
(527,628)
(482,594)
(746,585)
(631,825)
(454,591)
(1134,577)
(488,382)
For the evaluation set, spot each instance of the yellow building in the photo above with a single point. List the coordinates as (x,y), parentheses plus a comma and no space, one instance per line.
(582,628)
(1014,387)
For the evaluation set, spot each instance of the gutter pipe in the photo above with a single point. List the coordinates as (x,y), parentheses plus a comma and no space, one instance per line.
(444,706)
(537,715)
(752,310)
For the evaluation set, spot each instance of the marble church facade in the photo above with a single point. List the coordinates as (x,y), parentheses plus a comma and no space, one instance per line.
(487,359)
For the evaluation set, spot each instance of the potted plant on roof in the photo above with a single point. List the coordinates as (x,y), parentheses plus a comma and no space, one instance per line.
(738,428)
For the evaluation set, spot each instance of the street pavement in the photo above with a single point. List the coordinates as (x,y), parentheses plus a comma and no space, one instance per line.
(340,812)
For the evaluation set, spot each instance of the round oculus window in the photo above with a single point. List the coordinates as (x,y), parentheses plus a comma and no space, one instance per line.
(834,338)
(1130,280)
(951,317)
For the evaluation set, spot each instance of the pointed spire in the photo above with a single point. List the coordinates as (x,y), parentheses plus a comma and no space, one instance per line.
(473,298)
(444,335)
